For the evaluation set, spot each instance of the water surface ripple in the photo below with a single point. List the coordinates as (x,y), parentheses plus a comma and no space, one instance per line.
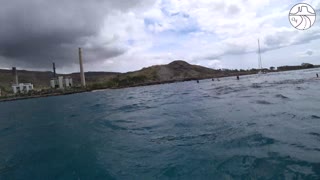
(261,127)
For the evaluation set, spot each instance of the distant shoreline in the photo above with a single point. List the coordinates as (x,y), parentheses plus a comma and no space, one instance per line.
(4,99)
(7,99)
(101,89)
(40,96)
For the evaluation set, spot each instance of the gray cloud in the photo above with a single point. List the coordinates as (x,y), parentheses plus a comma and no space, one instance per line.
(309,53)
(37,32)
(290,38)
(233,10)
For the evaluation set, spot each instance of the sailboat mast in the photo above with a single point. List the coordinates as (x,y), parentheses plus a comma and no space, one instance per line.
(260,62)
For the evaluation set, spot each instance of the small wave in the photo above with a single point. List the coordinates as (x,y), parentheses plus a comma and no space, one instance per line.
(134,107)
(299,146)
(96,106)
(112,126)
(315,117)
(123,121)
(255,140)
(227,90)
(295,81)
(251,124)
(128,107)
(281,96)
(5,168)
(251,167)
(184,138)
(7,130)
(147,128)
(130,97)
(263,102)
(305,148)
(315,134)
(246,96)
(237,165)
(73,115)
(256,86)
(171,171)
(286,114)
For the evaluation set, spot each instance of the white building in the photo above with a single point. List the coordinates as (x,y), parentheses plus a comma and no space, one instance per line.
(61,82)
(22,88)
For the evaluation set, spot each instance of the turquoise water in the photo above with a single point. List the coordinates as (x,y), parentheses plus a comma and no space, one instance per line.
(261,127)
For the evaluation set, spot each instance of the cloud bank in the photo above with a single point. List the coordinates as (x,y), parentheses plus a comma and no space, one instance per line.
(120,35)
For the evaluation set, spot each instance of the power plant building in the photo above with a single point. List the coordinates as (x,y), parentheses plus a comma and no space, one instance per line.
(66,82)
(20,87)
(61,82)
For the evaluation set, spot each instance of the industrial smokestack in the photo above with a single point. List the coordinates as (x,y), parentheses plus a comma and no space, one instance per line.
(54,69)
(82,77)
(15,75)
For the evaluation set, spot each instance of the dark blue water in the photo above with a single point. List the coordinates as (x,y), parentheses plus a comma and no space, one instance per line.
(261,127)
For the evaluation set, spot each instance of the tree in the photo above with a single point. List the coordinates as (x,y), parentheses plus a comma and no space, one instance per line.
(307,65)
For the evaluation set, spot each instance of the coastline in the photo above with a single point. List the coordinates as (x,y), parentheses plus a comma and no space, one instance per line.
(88,89)
(17,98)
(39,96)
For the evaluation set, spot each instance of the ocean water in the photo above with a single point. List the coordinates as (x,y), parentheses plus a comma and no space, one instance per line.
(261,127)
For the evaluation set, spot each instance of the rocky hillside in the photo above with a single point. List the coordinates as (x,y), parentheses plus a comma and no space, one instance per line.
(177,70)
(173,72)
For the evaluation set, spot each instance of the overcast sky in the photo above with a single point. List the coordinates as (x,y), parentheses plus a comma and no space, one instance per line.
(127,35)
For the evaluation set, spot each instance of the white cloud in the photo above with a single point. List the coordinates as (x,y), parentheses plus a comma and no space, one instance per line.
(199,31)
(227,28)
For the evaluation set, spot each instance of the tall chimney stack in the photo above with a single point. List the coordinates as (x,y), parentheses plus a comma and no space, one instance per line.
(54,69)
(15,75)
(82,77)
